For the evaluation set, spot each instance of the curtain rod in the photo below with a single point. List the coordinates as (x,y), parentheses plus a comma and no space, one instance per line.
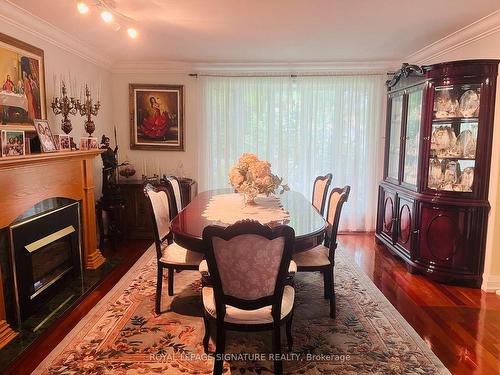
(282,75)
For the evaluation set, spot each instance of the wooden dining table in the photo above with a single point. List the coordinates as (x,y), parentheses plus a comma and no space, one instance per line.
(308,224)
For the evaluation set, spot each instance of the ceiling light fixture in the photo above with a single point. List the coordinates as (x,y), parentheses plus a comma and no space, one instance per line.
(107,16)
(132,32)
(82,7)
(110,15)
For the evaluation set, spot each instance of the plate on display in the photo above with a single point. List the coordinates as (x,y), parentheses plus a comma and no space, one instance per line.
(469,103)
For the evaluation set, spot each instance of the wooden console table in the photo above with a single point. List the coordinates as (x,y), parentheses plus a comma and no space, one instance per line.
(27,180)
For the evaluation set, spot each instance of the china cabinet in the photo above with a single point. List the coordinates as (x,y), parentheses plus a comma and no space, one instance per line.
(433,201)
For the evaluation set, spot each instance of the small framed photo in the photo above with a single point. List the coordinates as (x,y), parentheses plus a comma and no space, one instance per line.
(45,136)
(93,143)
(12,142)
(84,143)
(62,142)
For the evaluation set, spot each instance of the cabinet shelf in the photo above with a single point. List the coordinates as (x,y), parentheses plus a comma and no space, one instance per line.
(447,120)
(450,158)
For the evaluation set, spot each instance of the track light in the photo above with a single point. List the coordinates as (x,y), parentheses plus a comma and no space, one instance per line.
(132,32)
(82,7)
(106,16)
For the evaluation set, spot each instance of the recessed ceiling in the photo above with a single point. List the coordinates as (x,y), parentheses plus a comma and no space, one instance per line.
(264,31)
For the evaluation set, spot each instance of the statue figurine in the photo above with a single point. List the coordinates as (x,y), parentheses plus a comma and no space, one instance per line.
(109,157)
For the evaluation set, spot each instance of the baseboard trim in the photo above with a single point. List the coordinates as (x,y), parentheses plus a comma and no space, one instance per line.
(491,283)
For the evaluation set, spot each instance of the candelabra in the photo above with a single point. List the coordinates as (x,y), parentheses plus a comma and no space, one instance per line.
(89,109)
(65,106)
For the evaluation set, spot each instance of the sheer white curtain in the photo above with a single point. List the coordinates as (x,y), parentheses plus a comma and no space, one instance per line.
(305,127)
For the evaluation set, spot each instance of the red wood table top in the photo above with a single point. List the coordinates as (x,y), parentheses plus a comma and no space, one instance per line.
(308,224)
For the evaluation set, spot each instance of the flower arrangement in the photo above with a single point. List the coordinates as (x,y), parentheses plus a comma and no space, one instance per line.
(252,177)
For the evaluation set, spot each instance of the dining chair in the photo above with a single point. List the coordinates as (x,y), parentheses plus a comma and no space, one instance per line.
(320,190)
(322,257)
(248,264)
(177,204)
(169,254)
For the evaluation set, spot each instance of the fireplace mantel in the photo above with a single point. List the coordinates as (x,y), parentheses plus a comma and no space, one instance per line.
(27,180)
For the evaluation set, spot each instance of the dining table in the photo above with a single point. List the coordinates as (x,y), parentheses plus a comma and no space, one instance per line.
(308,224)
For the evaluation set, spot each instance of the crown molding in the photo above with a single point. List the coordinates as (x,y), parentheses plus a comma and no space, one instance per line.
(188,67)
(179,67)
(16,16)
(477,30)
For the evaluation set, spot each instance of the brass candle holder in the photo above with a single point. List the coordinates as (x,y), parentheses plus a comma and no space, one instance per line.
(65,106)
(89,109)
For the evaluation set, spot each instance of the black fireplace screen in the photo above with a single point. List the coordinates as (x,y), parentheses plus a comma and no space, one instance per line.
(44,249)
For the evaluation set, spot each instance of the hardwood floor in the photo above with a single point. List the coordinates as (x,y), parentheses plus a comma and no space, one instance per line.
(460,325)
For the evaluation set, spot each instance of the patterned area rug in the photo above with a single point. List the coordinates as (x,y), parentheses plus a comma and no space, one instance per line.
(122,334)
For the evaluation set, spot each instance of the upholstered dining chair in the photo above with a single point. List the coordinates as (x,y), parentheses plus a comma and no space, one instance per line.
(169,254)
(175,186)
(320,191)
(322,257)
(248,264)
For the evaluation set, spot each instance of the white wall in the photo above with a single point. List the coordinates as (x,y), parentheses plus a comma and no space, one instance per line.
(166,162)
(60,62)
(486,48)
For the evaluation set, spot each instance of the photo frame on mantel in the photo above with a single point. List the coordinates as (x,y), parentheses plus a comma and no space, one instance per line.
(22,82)
(156,117)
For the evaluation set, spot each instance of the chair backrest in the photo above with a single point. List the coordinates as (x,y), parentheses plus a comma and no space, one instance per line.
(175,185)
(336,200)
(248,264)
(320,190)
(158,197)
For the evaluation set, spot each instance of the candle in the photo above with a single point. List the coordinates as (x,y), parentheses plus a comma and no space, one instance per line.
(100,88)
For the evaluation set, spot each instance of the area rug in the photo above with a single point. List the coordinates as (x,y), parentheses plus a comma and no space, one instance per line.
(123,335)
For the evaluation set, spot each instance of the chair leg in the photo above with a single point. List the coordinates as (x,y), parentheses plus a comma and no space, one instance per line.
(219,349)
(289,336)
(159,281)
(333,307)
(327,282)
(278,364)
(206,338)
(170,281)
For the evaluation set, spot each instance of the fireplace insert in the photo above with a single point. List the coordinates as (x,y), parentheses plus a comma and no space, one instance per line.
(45,251)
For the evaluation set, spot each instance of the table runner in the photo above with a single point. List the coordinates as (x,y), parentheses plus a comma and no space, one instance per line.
(230,208)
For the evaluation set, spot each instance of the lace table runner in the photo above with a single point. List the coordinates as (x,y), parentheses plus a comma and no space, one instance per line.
(230,208)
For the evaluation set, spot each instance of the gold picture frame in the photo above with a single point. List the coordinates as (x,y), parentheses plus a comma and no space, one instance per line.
(156,117)
(22,83)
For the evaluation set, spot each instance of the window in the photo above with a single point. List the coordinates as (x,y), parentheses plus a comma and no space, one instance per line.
(305,127)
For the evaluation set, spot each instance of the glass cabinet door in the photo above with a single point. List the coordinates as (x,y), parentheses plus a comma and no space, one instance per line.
(455,124)
(395,136)
(412,138)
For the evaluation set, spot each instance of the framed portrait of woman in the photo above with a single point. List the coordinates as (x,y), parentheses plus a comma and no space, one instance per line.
(22,82)
(156,117)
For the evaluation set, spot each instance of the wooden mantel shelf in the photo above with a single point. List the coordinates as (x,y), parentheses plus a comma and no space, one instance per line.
(47,157)
(28,180)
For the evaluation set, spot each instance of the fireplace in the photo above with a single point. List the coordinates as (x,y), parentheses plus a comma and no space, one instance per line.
(44,252)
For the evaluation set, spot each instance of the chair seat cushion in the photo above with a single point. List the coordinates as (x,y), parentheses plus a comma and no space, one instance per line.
(176,254)
(315,257)
(239,316)
(204,267)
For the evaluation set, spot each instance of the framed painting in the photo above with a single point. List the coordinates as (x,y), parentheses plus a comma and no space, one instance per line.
(156,117)
(22,82)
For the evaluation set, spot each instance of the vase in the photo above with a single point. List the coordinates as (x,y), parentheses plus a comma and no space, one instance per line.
(249,199)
